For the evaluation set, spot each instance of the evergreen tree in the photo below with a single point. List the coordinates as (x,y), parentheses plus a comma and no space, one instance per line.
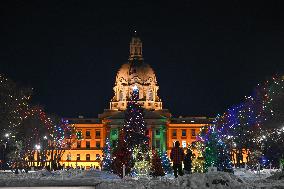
(166,163)
(135,135)
(216,153)
(157,168)
(141,162)
(107,161)
(211,151)
(121,156)
(198,159)
(135,126)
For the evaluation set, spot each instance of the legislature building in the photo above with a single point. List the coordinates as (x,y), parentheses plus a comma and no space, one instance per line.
(162,129)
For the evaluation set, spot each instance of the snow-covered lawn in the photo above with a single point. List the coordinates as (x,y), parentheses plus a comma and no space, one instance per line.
(101,180)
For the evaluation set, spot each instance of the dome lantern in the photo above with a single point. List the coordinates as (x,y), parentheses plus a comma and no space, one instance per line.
(135,48)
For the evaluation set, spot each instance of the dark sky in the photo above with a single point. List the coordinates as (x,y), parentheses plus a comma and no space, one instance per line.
(207,55)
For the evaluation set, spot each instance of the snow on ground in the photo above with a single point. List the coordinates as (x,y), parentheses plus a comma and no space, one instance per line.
(198,180)
(266,178)
(101,180)
(56,178)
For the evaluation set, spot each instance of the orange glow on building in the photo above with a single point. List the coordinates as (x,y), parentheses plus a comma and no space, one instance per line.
(162,128)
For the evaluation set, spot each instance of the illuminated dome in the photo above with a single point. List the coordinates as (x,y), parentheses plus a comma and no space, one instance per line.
(140,72)
(136,72)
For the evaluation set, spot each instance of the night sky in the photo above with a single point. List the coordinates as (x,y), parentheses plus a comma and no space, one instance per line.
(207,55)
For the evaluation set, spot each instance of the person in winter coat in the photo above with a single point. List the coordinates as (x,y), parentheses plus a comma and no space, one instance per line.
(187,161)
(177,156)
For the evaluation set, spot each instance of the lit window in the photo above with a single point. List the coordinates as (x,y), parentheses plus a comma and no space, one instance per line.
(174,133)
(98,134)
(69,157)
(157,131)
(183,143)
(98,144)
(88,145)
(183,133)
(88,157)
(120,95)
(150,95)
(193,132)
(79,144)
(88,133)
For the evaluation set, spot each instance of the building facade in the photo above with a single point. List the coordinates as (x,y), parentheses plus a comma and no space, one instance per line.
(162,129)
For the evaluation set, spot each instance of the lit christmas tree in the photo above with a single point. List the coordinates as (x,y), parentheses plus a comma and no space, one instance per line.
(211,150)
(255,125)
(121,156)
(198,161)
(156,168)
(166,163)
(135,135)
(135,126)
(141,163)
(13,102)
(107,161)
(215,152)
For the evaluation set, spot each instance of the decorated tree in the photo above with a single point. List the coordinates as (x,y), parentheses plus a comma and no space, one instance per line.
(211,150)
(121,156)
(216,153)
(166,163)
(197,157)
(255,125)
(107,160)
(156,167)
(135,135)
(13,102)
(141,160)
(44,137)
(135,126)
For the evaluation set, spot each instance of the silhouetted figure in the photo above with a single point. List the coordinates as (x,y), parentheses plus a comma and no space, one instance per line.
(187,162)
(177,156)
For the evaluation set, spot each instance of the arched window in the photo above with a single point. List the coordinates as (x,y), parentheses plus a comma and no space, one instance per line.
(120,95)
(150,95)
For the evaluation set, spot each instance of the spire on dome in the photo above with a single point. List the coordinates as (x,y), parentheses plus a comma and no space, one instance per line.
(135,50)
